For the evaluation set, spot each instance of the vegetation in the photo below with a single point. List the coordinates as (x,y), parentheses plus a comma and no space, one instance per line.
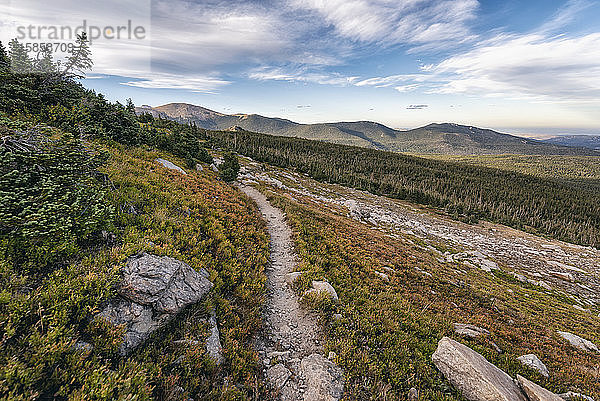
(389,329)
(81,192)
(550,207)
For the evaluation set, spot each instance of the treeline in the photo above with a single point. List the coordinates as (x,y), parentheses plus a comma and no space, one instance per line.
(544,206)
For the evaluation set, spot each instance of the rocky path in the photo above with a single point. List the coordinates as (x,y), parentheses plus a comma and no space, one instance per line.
(290,348)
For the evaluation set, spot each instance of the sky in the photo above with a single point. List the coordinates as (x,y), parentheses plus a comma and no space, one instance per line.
(530,66)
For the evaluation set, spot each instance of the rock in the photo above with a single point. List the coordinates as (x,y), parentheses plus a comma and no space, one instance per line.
(323,286)
(213,342)
(324,380)
(331,356)
(278,375)
(575,396)
(199,167)
(214,168)
(473,375)
(563,276)
(337,316)
(171,166)
(413,394)
(290,278)
(83,347)
(578,342)
(535,392)
(469,330)
(152,291)
(383,276)
(533,362)
(164,283)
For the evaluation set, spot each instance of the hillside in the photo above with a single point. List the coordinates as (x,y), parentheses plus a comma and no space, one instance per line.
(583,141)
(433,138)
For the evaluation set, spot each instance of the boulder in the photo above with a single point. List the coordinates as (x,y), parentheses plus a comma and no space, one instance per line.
(533,362)
(323,286)
(152,291)
(383,276)
(578,342)
(171,166)
(413,394)
(278,375)
(535,392)
(473,375)
(324,380)
(469,330)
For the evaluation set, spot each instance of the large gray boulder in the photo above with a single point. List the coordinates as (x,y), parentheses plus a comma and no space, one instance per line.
(152,291)
(324,380)
(535,392)
(170,165)
(578,342)
(473,375)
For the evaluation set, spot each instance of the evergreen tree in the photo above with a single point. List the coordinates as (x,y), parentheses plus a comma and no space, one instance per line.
(45,63)
(19,59)
(4,60)
(79,59)
(130,106)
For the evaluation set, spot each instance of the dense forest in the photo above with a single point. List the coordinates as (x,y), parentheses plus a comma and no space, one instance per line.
(551,207)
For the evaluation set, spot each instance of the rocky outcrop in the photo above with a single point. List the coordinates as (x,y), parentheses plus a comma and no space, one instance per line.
(324,380)
(535,392)
(152,291)
(469,330)
(323,286)
(575,396)
(580,343)
(171,166)
(533,362)
(473,375)
(213,342)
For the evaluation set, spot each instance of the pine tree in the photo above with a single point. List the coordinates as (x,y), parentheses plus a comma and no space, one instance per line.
(79,59)
(19,59)
(4,60)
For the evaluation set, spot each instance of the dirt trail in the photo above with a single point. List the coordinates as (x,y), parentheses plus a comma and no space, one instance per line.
(289,347)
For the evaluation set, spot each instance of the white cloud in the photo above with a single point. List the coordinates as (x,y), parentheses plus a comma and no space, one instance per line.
(300,75)
(530,66)
(201,84)
(406,88)
(396,21)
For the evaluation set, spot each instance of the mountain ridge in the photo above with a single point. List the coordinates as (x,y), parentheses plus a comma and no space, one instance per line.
(434,138)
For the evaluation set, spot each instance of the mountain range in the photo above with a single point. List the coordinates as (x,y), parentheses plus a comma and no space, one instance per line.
(583,141)
(446,138)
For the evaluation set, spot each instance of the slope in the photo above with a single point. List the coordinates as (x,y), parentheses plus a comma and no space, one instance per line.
(433,138)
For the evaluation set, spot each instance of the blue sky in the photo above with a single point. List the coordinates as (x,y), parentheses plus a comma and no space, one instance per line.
(520,66)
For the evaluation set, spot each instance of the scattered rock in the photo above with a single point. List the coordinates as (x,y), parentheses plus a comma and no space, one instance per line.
(213,342)
(83,347)
(171,166)
(153,290)
(413,394)
(563,276)
(199,167)
(323,286)
(332,355)
(578,342)
(337,316)
(575,396)
(214,168)
(469,330)
(278,375)
(290,278)
(383,276)
(533,362)
(473,375)
(324,380)
(535,392)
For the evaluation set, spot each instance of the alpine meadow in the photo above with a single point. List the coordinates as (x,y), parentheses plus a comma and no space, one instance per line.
(300,200)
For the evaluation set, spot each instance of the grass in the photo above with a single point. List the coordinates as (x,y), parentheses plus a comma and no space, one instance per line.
(389,330)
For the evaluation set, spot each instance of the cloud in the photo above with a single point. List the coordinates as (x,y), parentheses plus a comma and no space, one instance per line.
(300,74)
(407,88)
(396,21)
(198,84)
(529,66)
